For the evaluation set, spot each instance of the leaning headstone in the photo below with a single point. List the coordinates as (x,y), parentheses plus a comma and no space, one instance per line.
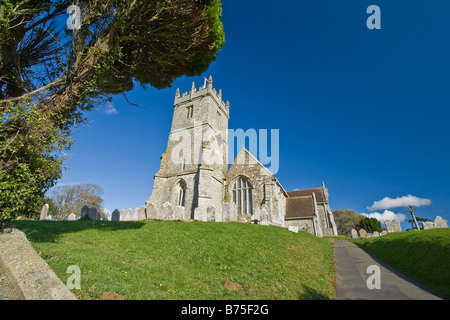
(211,213)
(84,212)
(393,226)
(293,229)
(115,216)
(151,211)
(166,212)
(440,222)
(44,212)
(362,233)
(71,217)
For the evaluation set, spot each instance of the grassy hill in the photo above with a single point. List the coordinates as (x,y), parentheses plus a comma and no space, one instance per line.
(424,255)
(181,260)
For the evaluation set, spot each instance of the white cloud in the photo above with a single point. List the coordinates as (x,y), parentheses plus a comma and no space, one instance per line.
(110,110)
(389,203)
(386,215)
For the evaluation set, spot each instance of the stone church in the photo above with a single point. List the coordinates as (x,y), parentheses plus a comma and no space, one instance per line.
(195,182)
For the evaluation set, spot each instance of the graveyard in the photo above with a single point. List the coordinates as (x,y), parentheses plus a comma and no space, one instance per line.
(161,260)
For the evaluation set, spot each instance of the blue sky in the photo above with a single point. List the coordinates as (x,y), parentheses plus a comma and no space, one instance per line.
(365,111)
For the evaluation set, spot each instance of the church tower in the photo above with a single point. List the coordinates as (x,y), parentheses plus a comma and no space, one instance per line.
(193,168)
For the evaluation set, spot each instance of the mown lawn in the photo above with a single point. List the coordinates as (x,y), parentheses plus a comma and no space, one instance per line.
(185,260)
(424,255)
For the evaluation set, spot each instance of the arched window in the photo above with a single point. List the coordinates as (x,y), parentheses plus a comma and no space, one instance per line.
(180,194)
(242,196)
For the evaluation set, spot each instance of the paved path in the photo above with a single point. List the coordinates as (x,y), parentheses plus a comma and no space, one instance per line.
(351,276)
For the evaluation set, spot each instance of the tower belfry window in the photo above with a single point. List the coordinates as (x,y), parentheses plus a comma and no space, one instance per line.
(181,194)
(242,196)
(190,111)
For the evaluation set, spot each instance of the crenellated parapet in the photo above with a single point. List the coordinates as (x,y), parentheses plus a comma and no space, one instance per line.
(205,90)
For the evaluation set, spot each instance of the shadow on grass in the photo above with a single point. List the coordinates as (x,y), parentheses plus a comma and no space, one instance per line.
(312,294)
(49,231)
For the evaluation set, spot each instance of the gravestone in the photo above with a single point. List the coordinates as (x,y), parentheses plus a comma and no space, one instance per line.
(44,212)
(128,214)
(151,211)
(383,233)
(362,233)
(428,225)
(440,222)
(115,216)
(166,212)
(353,233)
(141,213)
(122,215)
(211,213)
(71,217)
(229,212)
(369,235)
(84,212)
(198,214)
(94,214)
(376,234)
(293,229)
(393,226)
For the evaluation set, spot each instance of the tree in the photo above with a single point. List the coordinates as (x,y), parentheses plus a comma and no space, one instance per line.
(50,74)
(70,199)
(370,225)
(346,220)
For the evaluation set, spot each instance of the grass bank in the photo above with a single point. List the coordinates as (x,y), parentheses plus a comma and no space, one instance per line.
(424,255)
(180,260)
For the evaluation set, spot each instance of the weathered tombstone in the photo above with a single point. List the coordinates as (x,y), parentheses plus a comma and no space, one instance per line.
(84,212)
(440,222)
(353,233)
(293,229)
(94,214)
(71,217)
(135,214)
(166,212)
(151,211)
(211,213)
(44,212)
(393,226)
(362,233)
(376,234)
(369,235)
(128,213)
(115,216)
(122,215)
(428,225)
(141,214)
(383,233)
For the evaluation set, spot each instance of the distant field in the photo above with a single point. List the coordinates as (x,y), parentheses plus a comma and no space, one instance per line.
(424,255)
(181,260)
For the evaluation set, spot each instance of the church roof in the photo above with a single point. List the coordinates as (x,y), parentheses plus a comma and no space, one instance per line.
(320,197)
(300,207)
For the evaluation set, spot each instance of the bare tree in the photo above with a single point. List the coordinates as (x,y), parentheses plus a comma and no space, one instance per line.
(71,198)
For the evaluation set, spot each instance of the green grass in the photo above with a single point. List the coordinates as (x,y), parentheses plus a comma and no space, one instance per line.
(180,260)
(423,255)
